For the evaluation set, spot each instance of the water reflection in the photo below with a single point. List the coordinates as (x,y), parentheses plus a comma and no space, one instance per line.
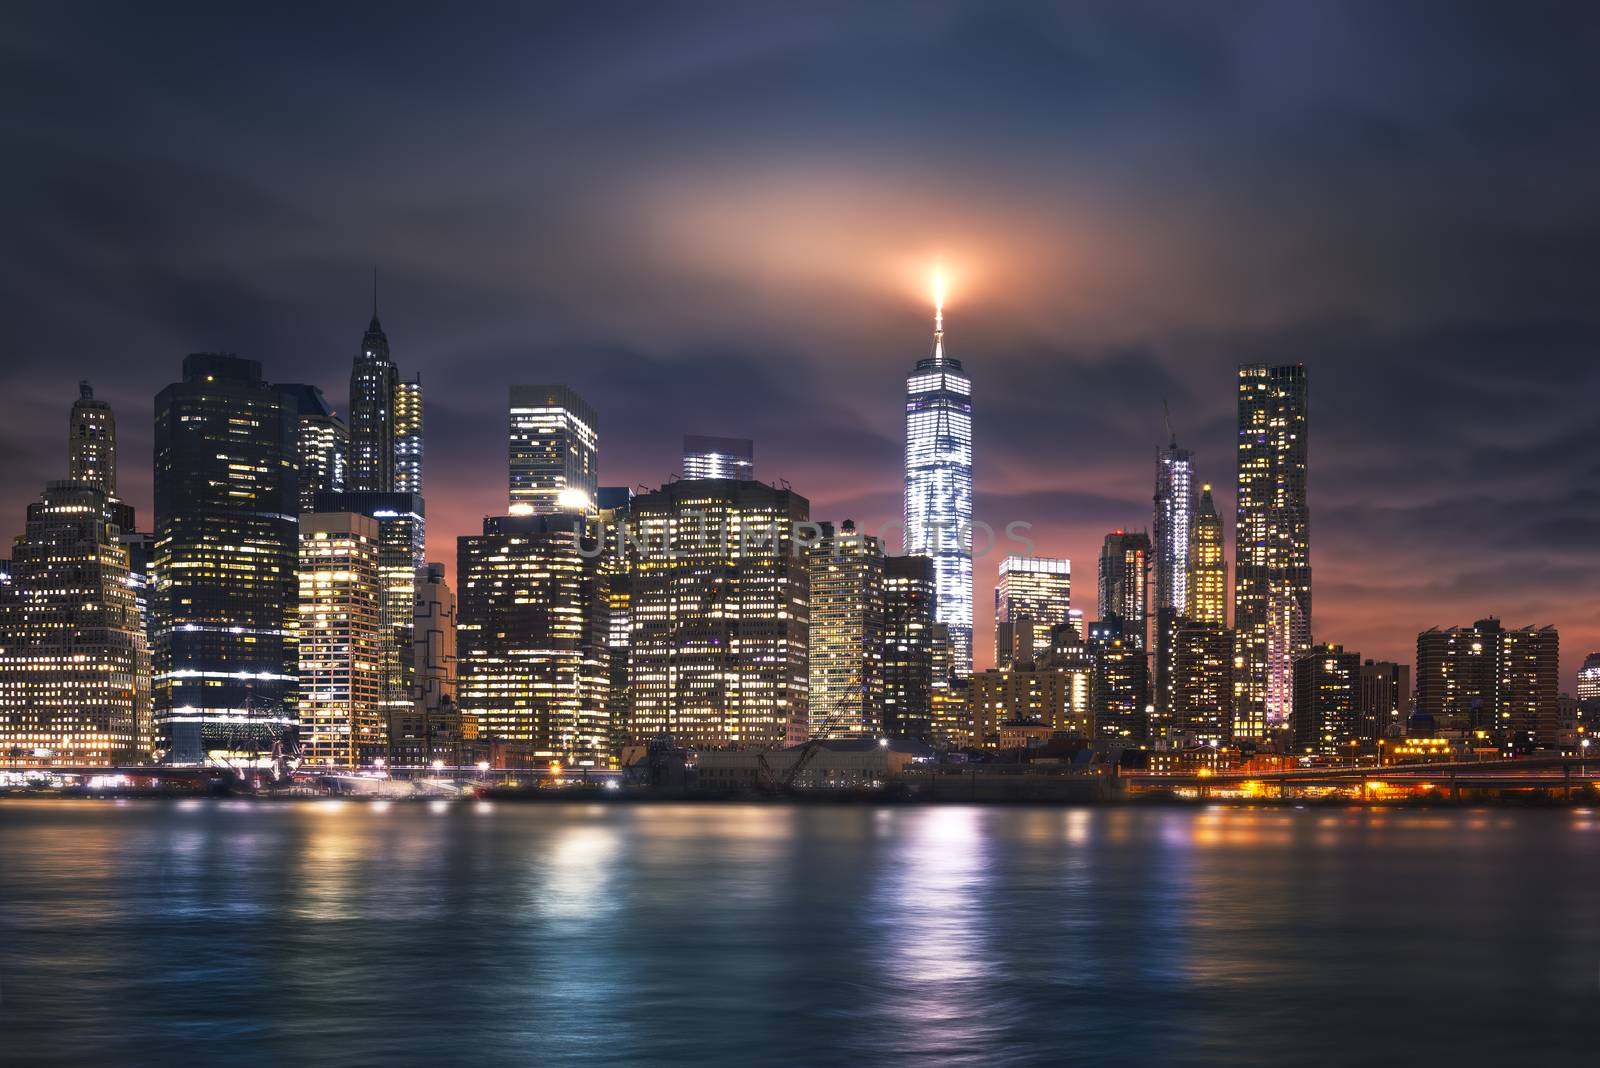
(371,933)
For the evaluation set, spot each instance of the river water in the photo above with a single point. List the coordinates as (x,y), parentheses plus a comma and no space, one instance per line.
(237,932)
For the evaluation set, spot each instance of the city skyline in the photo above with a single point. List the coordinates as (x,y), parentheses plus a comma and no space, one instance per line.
(985,565)
(627,533)
(688,269)
(741,626)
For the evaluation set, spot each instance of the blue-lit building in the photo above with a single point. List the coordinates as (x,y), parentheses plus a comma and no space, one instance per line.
(1173,552)
(938,513)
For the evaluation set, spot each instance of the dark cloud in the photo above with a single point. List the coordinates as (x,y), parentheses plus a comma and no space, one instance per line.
(720,218)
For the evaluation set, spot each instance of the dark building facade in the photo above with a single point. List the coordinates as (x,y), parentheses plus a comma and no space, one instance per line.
(434,730)
(1487,678)
(617,560)
(1327,700)
(1385,698)
(373,381)
(1120,691)
(1202,681)
(322,444)
(908,618)
(92,453)
(224,586)
(1124,583)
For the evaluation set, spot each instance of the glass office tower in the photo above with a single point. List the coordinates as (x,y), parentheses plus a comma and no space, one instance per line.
(938,503)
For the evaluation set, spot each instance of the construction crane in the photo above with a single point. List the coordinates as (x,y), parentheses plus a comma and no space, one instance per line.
(806,754)
(769,776)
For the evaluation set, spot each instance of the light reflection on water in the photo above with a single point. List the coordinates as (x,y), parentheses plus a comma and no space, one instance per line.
(926,919)
(235,933)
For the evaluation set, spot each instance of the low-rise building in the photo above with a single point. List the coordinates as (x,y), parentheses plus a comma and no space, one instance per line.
(844,763)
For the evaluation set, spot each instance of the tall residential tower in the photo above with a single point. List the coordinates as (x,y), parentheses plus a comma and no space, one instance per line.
(340,637)
(1124,579)
(847,633)
(408,436)
(1174,524)
(1272,546)
(1208,575)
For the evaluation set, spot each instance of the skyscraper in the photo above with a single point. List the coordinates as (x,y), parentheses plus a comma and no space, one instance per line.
(721,629)
(948,702)
(1032,598)
(938,504)
(1208,579)
(226,554)
(554,455)
(322,444)
(402,547)
(846,573)
(711,457)
(408,436)
(532,670)
(1124,575)
(1327,701)
(1484,677)
(1120,695)
(1385,699)
(435,726)
(141,547)
(340,635)
(1174,532)
(92,442)
(92,452)
(74,667)
(908,600)
(1202,681)
(373,382)
(617,561)
(1272,545)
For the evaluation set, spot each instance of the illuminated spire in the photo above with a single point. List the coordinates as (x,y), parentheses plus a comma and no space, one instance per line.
(938,315)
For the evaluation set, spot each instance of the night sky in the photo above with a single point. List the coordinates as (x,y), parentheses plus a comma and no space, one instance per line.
(723,220)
